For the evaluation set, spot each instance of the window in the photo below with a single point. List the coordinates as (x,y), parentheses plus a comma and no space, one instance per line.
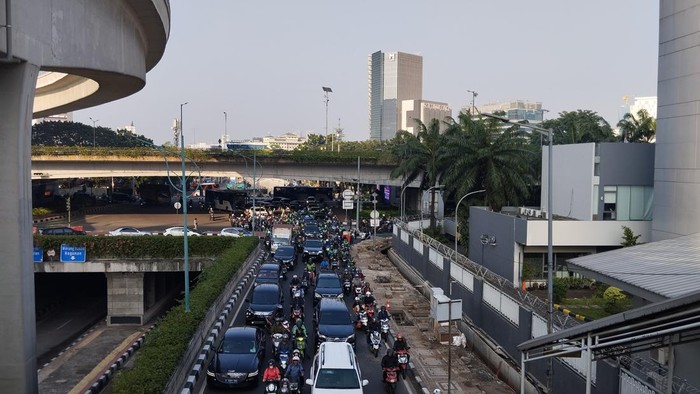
(336,378)
(627,202)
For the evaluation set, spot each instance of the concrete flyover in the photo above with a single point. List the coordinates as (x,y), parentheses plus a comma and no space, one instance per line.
(88,53)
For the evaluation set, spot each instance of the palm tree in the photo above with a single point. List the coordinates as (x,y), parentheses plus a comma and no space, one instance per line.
(640,128)
(484,155)
(420,156)
(580,126)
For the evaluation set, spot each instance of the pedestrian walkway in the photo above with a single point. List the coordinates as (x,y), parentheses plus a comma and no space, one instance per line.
(411,317)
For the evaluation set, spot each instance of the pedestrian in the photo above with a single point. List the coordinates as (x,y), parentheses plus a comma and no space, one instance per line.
(211,214)
(230,218)
(195,224)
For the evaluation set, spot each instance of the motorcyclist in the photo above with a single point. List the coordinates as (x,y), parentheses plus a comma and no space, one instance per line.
(298,302)
(383,314)
(372,325)
(278,327)
(299,329)
(401,344)
(388,362)
(272,373)
(285,346)
(295,281)
(357,305)
(357,281)
(295,372)
(369,299)
(324,264)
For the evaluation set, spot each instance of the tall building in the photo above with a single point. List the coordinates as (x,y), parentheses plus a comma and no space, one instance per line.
(393,78)
(516,110)
(425,111)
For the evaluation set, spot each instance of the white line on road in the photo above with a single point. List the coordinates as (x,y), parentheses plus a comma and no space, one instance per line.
(63,325)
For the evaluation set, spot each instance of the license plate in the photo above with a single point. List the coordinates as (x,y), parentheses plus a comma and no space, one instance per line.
(232,381)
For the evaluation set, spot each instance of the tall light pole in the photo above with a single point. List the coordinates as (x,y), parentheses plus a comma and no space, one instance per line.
(431,205)
(403,204)
(94,127)
(457,222)
(474,94)
(223,143)
(327,90)
(359,197)
(183,185)
(550,215)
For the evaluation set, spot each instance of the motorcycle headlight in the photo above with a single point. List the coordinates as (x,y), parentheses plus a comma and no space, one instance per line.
(249,312)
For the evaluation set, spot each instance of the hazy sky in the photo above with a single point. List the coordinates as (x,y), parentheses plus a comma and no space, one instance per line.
(264,62)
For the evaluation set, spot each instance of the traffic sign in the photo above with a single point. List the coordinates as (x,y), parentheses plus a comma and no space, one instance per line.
(177,205)
(348,194)
(38,254)
(72,254)
(348,204)
(374,222)
(374,214)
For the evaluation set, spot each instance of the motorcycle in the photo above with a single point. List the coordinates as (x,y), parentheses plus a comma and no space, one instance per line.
(358,291)
(402,358)
(391,379)
(294,387)
(305,284)
(384,324)
(300,344)
(346,287)
(361,323)
(375,342)
(276,339)
(271,386)
(335,265)
(297,314)
(284,386)
(369,309)
(284,360)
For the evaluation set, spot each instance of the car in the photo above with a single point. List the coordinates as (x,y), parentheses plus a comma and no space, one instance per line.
(61,231)
(335,369)
(235,232)
(180,231)
(127,231)
(268,273)
(279,202)
(333,322)
(313,248)
(265,304)
(238,358)
(286,254)
(259,210)
(312,231)
(328,286)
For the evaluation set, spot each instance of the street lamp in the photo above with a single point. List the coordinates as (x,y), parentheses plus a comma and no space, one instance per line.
(474,94)
(93,130)
(223,143)
(457,222)
(431,205)
(183,186)
(550,214)
(327,90)
(403,204)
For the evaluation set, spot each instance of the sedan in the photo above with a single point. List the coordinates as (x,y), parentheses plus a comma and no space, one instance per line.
(313,247)
(180,231)
(238,358)
(128,231)
(235,232)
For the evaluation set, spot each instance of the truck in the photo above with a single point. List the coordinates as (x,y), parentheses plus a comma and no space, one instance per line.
(281,235)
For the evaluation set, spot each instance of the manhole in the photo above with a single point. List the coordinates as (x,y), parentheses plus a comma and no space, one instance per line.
(401,319)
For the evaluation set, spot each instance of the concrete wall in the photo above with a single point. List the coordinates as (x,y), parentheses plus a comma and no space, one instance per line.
(572,181)
(624,165)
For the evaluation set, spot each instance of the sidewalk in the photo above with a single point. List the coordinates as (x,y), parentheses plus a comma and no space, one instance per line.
(411,316)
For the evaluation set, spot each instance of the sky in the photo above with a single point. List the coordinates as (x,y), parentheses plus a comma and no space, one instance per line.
(265,63)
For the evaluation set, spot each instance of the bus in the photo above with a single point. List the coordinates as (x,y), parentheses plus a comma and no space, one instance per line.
(322,195)
(226,200)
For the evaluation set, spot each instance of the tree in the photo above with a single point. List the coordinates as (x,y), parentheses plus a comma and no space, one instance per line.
(639,128)
(313,142)
(78,134)
(628,237)
(421,156)
(482,154)
(580,126)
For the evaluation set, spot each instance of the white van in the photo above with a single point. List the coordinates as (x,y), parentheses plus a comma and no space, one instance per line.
(336,370)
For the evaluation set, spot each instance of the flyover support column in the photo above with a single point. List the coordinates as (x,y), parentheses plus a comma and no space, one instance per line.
(17,321)
(125,298)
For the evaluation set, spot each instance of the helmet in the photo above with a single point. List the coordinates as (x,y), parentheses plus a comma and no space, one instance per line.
(383,307)
(294,276)
(437,391)
(367,294)
(271,362)
(295,358)
(399,337)
(299,322)
(357,298)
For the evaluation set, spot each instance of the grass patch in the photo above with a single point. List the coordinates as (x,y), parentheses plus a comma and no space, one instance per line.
(593,308)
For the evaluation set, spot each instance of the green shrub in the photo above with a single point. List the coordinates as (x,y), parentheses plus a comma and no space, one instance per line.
(615,300)
(165,345)
(40,211)
(559,289)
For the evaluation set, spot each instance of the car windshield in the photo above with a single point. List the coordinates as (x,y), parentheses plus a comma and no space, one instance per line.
(267,274)
(264,297)
(313,243)
(332,378)
(238,346)
(284,253)
(335,318)
(328,282)
(280,240)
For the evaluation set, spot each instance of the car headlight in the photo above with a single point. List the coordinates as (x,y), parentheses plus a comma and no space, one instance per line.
(253,374)
(340,296)
(316,295)
(249,312)
(322,337)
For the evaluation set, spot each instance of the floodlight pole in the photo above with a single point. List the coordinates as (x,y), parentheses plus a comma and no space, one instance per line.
(474,94)
(457,223)
(550,247)
(183,186)
(327,90)
(94,127)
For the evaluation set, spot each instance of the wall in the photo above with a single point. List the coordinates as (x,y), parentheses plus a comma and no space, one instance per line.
(572,180)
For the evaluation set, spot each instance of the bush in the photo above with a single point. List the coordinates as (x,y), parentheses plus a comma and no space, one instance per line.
(559,289)
(615,300)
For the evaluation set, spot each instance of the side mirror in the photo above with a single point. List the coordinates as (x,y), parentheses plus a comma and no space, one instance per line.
(310,382)
(365,382)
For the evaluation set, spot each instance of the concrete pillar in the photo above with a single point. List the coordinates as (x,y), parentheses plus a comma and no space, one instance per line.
(149,290)
(17,320)
(125,298)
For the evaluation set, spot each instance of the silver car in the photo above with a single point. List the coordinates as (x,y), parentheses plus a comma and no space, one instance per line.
(180,231)
(235,232)
(128,231)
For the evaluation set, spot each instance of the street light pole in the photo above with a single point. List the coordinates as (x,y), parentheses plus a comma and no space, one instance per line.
(431,206)
(474,94)
(183,186)
(94,127)
(403,204)
(359,197)
(457,222)
(327,90)
(550,247)
(223,143)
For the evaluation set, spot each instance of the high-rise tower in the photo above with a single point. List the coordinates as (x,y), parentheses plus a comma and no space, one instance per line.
(393,77)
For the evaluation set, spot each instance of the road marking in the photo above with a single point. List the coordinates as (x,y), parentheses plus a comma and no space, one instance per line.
(63,325)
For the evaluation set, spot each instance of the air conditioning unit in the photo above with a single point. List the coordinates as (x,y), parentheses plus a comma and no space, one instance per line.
(660,355)
(543,215)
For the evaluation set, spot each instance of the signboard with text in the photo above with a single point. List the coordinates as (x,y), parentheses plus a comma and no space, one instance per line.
(38,254)
(72,254)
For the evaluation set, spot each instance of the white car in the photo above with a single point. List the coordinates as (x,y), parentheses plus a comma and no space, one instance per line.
(128,231)
(335,370)
(180,231)
(235,232)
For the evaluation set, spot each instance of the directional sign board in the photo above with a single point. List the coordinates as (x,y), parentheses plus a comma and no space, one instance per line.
(72,254)
(374,222)
(348,194)
(38,254)
(348,204)
(374,214)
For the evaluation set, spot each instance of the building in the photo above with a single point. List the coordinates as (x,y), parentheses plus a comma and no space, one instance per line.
(64,117)
(516,110)
(393,78)
(425,111)
(286,141)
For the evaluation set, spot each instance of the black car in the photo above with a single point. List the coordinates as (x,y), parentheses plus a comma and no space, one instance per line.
(313,248)
(269,273)
(61,231)
(312,231)
(238,358)
(333,322)
(286,255)
(265,304)
(328,286)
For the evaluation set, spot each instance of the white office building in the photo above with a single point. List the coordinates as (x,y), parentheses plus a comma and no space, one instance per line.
(425,111)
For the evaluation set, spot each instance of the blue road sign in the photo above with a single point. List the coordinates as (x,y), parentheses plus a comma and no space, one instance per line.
(72,254)
(38,254)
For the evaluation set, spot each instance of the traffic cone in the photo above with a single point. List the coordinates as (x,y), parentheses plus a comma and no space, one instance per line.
(388,305)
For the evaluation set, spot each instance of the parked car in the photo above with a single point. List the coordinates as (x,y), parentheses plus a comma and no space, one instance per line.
(235,232)
(61,231)
(180,231)
(238,358)
(336,370)
(265,303)
(127,231)
(333,322)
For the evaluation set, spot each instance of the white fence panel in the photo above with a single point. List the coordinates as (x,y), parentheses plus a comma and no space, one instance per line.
(462,276)
(539,326)
(418,245)
(404,236)
(492,296)
(433,257)
(629,384)
(395,230)
(510,309)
